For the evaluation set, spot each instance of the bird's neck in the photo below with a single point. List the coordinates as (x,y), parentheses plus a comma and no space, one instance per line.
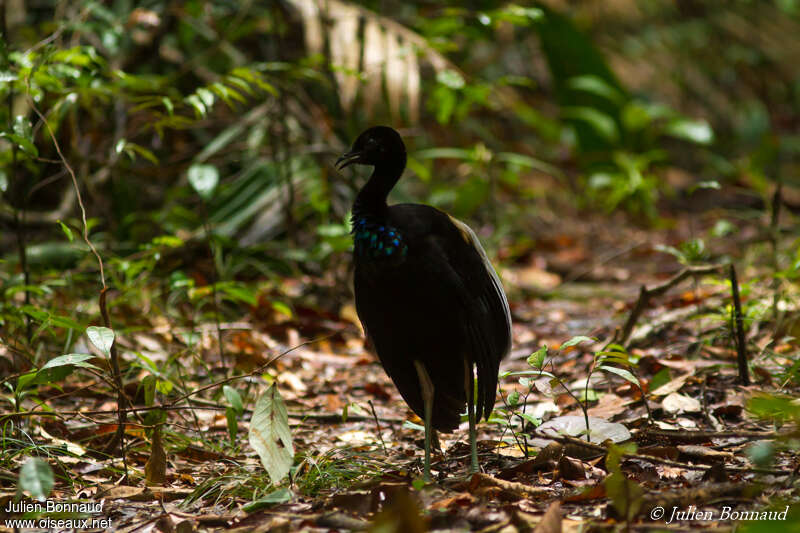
(371,199)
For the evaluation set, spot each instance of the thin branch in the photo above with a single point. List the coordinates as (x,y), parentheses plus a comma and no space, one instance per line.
(646,294)
(738,323)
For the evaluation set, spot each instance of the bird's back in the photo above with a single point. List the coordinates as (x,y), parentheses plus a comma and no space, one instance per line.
(432,297)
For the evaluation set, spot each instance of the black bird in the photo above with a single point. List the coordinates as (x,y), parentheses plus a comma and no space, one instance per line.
(427,296)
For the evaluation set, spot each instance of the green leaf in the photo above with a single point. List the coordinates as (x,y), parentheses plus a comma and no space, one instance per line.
(36,478)
(696,131)
(233,425)
(600,122)
(148,386)
(513,398)
(197,104)
(281,495)
(204,179)
(270,436)
(282,308)
(532,419)
(24,381)
(537,373)
(597,86)
(234,398)
(22,135)
(238,293)
(66,230)
(710,184)
(411,425)
(577,340)
(536,359)
(450,78)
(626,495)
(71,359)
(622,373)
(102,338)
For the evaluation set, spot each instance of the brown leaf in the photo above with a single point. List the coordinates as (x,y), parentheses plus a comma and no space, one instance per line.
(551,521)
(571,468)
(377,390)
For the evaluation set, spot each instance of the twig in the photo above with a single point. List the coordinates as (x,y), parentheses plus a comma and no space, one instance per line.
(744,434)
(774,232)
(646,294)
(741,348)
(378,427)
(121,398)
(660,460)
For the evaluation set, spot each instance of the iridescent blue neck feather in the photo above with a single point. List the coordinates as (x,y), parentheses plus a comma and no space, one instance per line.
(373,236)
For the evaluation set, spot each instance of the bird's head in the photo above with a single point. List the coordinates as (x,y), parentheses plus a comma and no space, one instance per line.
(376,146)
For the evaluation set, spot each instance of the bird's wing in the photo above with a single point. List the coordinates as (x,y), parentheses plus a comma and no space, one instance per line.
(484,311)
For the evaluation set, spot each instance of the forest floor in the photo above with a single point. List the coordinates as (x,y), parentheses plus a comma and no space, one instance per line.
(701,453)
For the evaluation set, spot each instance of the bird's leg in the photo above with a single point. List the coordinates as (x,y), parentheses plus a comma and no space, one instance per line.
(469,385)
(427,399)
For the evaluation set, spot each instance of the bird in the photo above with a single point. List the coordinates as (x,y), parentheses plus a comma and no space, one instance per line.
(427,297)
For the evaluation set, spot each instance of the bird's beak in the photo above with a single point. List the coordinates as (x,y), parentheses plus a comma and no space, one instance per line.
(348,159)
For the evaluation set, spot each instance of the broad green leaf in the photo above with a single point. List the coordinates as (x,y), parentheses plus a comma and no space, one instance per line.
(537,373)
(281,495)
(626,495)
(696,131)
(450,78)
(234,398)
(36,478)
(536,359)
(621,372)
(148,386)
(602,123)
(270,436)
(24,381)
(102,338)
(204,179)
(238,293)
(233,425)
(577,340)
(597,86)
(71,359)
(22,135)
(532,419)
(197,104)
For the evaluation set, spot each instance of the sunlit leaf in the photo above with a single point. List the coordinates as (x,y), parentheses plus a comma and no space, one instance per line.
(536,359)
(101,337)
(577,340)
(602,123)
(626,374)
(234,398)
(282,495)
(597,86)
(697,131)
(270,436)
(66,230)
(72,359)
(36,478)
(204,179)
